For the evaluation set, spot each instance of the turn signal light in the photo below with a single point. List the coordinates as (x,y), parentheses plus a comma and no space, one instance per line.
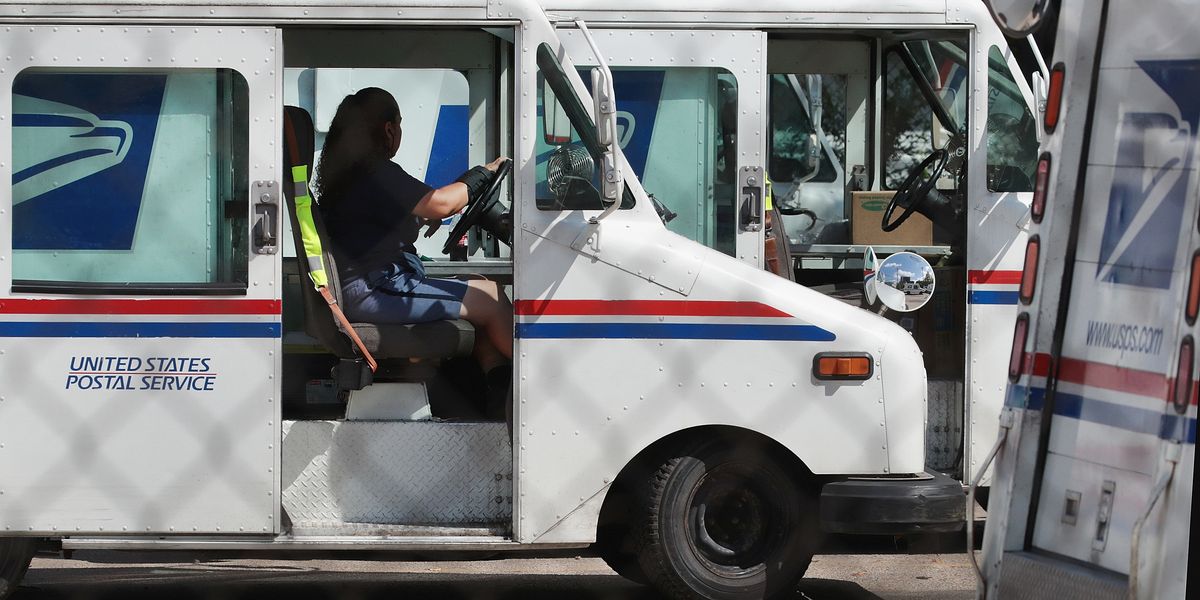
(1181,395)
(830,365)
(1016,359)
(1193,297)
(1041,185)
(1029,275)
(1058,76)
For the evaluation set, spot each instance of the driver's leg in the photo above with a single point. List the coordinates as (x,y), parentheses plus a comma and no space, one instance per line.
(487,307)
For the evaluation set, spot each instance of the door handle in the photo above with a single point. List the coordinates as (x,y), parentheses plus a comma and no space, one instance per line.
(750,182)
(266,218)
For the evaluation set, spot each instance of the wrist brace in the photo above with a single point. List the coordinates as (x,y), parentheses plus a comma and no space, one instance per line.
(476,180)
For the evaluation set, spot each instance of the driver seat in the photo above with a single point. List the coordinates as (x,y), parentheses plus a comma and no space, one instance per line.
(385,341)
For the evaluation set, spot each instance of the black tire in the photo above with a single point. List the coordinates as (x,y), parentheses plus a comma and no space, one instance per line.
(15,554)
(724,521)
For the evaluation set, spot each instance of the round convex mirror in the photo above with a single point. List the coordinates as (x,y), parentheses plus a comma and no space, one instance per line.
(904,281)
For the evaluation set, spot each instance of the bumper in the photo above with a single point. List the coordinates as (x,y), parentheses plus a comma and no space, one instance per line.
(934,503)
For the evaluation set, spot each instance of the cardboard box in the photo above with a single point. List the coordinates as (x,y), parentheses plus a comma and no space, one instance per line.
(866,214)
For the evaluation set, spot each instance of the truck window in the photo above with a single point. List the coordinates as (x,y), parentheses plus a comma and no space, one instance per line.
(795,142)
(1011,135)
(911,131)
(130,177)
(568,177)
(663,113)
(807,163)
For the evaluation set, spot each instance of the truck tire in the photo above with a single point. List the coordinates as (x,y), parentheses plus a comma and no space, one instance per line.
(725,521)
(15,554)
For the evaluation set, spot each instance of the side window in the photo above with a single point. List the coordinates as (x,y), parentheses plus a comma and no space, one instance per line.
(677,128)
(907,123)
(1011,131)
(130,177)
(568,175)
(911,130)
(807,162)
(795,143)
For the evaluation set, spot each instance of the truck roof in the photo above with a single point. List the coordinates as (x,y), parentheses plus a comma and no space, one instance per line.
(708,13)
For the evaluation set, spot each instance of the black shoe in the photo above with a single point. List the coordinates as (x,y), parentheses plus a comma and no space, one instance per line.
(499,392)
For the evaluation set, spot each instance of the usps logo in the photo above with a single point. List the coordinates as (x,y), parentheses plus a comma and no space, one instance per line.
(1145,207)
(81,148)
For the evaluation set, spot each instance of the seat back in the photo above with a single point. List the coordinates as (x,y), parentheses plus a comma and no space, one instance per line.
(298,148)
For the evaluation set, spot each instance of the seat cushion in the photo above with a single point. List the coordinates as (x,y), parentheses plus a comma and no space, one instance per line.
(436,339)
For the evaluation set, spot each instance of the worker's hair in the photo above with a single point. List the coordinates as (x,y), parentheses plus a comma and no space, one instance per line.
(355,136)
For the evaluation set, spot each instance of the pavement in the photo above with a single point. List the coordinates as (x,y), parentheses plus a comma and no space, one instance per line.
(856,572)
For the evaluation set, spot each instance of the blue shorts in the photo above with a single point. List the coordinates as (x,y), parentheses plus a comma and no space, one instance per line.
(401,293)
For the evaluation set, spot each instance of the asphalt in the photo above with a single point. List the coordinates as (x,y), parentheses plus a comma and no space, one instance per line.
(878,569)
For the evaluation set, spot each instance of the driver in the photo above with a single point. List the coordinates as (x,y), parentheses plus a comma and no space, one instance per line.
(373,209)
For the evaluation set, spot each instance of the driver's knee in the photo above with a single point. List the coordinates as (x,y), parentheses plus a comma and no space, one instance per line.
(480,303)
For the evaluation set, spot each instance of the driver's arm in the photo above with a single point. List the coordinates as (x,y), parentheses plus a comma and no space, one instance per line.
(442,202)
(447,200)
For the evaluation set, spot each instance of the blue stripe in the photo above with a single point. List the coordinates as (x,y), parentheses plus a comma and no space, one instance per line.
(674,331)
(139,330)
(1017,397)
(448,152)
(991,297)
(1167,426)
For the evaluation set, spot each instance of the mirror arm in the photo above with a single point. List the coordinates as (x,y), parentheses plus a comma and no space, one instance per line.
(606,123)
(1040,90)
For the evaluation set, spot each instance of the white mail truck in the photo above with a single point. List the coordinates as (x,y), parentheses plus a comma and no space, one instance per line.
(1092,494)
(171,378)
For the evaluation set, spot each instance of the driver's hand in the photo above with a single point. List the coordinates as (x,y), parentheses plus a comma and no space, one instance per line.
(495,164)
(433,225)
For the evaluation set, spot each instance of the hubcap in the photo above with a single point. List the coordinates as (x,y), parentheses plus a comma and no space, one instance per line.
(730,522)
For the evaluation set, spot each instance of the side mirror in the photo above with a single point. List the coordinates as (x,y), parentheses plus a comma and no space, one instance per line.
(606,134)
(869,276)
(556,127)
(1018,18)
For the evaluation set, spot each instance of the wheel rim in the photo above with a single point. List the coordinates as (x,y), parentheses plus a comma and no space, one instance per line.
(733,526)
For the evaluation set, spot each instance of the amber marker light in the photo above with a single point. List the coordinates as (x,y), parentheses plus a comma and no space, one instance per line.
(843,366)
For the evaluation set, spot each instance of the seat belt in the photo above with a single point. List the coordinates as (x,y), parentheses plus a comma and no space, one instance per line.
(312,243)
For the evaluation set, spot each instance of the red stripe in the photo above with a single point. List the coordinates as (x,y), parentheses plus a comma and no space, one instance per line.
(1037,365)
(1005,277)
(651,308)
(80,306)
(1111,377)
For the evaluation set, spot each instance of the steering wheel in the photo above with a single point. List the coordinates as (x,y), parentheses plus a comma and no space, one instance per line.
(913,191)
(478,206)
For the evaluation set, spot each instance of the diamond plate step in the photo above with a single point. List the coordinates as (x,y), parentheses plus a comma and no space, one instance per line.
(345,475)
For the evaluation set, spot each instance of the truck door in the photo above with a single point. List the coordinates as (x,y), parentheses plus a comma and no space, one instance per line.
(573,256)
(139,279)
(700,93)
